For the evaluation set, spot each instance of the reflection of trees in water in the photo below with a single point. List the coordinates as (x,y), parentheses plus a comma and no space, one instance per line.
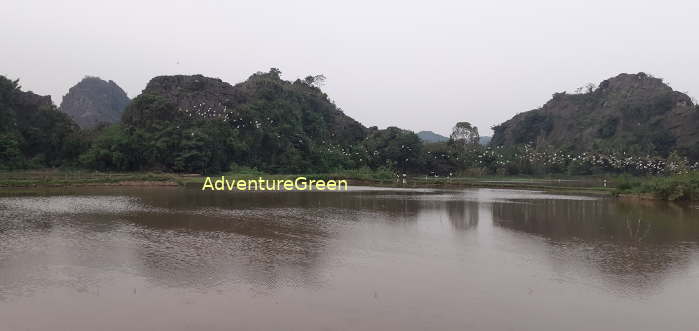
(634,246)
(396,206)
(265,238)
(388,207)
(463,215)
(200,239)
(637,230)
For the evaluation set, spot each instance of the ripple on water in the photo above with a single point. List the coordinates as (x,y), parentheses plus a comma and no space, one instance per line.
(73,204)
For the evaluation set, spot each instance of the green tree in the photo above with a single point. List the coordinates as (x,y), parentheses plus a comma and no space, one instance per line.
(464,135)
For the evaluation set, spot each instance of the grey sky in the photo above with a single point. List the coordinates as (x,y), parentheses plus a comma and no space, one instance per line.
(417,65)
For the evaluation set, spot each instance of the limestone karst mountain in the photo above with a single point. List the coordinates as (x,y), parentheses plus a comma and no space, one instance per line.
(265,122)
(262,100)
(94,101)
(634,113)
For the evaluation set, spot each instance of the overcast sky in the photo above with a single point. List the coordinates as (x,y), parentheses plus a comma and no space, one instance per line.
(417,65)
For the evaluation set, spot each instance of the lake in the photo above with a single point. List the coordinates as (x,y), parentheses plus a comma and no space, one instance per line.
(368,259)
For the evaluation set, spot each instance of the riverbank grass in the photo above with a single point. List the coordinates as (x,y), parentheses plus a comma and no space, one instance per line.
(11,180)
(56,177)
(672,188)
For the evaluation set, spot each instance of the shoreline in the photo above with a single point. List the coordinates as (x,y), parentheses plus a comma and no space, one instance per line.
(27,182)
(11,182)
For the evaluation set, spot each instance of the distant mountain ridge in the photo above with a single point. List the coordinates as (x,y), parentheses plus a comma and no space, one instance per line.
(431,137)
(94,101)
(634,113)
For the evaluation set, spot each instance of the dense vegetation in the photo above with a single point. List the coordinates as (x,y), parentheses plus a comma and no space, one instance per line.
(527,160)
(33,133)
(267,123)
(678,187)
(195,124)
(270,124)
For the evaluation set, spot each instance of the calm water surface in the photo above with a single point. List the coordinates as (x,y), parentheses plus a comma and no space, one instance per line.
(370,259)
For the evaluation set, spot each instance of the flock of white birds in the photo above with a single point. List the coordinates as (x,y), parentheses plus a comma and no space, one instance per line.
(219,111)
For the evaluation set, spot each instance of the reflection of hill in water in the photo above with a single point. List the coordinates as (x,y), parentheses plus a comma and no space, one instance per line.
(176,247)
(634,247)
(463,215)
(199,239)
(188,238)
(268,239)
(192,239)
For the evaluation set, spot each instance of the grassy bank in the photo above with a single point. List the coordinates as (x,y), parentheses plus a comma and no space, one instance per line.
(14,180)
(35,178)
(672,188)
(389,179)
(55,177)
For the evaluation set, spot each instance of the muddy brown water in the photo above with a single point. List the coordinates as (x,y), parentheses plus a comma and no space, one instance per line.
(370,259)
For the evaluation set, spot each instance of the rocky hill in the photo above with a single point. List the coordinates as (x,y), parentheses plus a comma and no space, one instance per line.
(265,122)
(264,100)
(93,101)
(634,113)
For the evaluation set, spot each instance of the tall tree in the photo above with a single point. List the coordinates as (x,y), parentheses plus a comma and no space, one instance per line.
(464,135)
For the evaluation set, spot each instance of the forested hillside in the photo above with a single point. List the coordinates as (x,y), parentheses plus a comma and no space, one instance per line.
(32,132)
(636,114)
(200,124)
(195,124)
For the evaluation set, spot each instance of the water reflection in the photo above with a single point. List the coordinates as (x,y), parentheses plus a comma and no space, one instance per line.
(634,246)
(416,258)
(463,215)
(189,238)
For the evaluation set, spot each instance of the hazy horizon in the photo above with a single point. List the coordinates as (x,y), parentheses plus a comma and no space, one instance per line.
(418,67)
